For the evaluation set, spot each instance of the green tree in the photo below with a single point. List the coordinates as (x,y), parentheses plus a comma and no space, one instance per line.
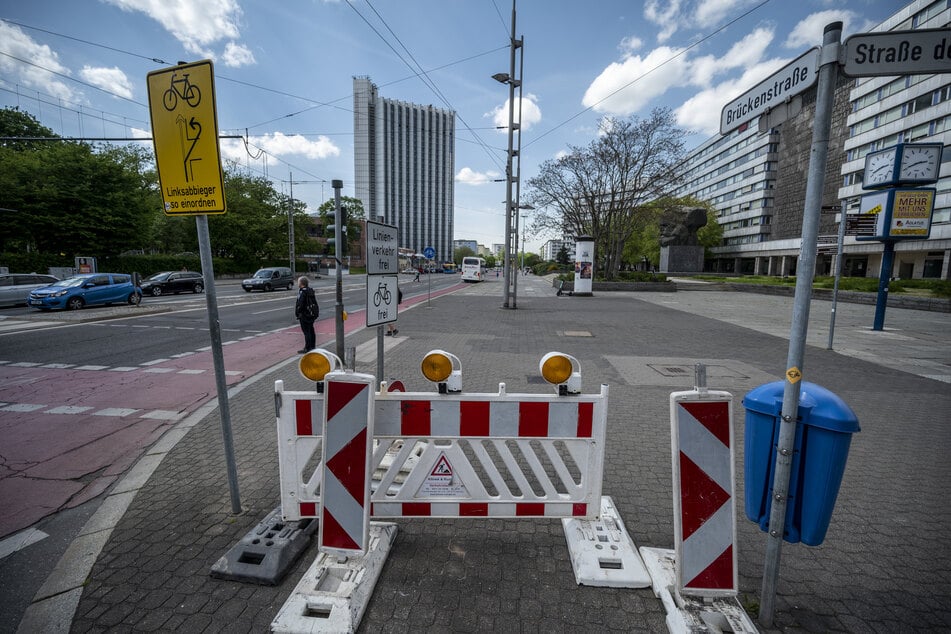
(562,256)
(601,190)
(462,252)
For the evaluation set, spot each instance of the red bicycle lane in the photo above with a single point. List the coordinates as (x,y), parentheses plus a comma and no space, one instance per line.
(60,447)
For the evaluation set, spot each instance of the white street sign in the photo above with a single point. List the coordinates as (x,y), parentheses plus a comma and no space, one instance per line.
(790,80)
(381,248)
(919,52)
(382,299)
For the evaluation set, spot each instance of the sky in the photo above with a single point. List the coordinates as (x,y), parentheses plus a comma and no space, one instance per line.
(284,74)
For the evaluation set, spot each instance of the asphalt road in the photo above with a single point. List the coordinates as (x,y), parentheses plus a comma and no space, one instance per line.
(84,393)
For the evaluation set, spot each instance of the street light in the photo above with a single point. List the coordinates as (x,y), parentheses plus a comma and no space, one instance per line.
(512,81)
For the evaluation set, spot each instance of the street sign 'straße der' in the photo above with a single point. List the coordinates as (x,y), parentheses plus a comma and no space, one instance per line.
(918,52)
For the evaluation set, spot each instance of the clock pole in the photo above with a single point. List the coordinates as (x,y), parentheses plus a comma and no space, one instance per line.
(888,261)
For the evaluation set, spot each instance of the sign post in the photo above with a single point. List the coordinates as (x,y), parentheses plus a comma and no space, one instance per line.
(383,289)
(185,133)
(430,253)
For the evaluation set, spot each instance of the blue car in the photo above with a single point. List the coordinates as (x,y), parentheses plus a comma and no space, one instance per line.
(90,289)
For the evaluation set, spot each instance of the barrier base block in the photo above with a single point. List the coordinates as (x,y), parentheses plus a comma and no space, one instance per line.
(334,592)
(602,553)
(267,552)
(689,613)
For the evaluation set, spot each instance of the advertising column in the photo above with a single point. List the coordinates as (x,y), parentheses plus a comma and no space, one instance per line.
(584,265)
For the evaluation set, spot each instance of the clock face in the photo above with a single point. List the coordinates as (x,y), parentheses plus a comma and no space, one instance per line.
(920,163)
(880,166)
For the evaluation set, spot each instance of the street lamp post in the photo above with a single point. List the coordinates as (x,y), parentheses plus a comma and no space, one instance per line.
(513,82)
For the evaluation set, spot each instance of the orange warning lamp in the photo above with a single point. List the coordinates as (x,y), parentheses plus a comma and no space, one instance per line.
(561,370)
(316,364)
(444,369)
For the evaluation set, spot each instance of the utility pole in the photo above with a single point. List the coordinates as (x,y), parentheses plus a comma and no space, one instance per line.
(290,230)
(513,82)
(338,246)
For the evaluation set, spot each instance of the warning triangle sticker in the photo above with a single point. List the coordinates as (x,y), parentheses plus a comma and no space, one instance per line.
(442,468)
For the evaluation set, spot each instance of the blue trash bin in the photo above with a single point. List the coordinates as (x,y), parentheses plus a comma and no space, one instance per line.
(823,435)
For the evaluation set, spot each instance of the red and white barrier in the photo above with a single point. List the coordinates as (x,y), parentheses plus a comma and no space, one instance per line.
(704,505)
(345,476)
(473,455)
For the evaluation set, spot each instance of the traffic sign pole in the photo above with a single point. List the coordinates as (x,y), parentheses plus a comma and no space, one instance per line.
(805,271)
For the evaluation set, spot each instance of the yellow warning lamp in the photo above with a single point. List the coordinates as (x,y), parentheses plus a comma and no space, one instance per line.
(563,371)
(316,364)
(444,369)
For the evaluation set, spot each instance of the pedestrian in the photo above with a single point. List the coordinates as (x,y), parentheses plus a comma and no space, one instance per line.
(418,270)
(390,328)
(306,311)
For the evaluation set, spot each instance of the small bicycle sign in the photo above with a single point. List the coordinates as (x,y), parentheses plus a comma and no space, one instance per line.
(382,295)
(181,89)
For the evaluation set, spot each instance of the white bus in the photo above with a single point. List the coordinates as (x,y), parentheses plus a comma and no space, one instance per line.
(473,269)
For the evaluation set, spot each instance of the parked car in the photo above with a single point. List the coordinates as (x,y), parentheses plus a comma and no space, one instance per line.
(269,279)
(173,282)
(90,289)
(15,288)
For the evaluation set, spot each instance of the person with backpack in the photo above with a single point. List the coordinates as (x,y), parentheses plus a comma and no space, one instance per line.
(306,311)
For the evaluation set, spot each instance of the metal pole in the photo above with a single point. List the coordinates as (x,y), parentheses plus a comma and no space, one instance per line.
(338,247)
(839,257)
(888,261)
(520,43)
(221,383)
(805,271)
(508,167)
(290,230)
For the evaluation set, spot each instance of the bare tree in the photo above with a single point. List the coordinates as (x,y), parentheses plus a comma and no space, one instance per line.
(603,190)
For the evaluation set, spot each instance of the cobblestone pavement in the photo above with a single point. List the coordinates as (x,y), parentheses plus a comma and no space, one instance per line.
(884,566)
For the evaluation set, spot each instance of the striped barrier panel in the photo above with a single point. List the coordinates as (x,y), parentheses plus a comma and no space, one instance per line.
(459,455)
(345,474)
(704,505)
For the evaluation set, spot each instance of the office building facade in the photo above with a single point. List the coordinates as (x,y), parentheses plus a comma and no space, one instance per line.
(404,163)
(757,181)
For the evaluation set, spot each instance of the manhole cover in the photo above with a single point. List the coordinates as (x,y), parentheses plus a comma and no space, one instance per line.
(720,371)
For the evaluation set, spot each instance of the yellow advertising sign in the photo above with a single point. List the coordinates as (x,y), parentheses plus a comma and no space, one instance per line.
(911,212)
(185,133)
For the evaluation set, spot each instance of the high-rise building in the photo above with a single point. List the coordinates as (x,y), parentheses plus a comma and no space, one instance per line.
(404,157)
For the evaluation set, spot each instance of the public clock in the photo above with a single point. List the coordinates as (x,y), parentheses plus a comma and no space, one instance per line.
(920,163)
(880,167)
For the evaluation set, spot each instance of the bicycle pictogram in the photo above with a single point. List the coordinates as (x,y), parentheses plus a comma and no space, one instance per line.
(382,295)
(181,89)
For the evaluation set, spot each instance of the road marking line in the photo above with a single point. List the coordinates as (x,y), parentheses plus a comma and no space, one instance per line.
(123,368)
(20,540)
(159,370)
(162,414)
(115,411)
(68,409)
(191,371)
(22,407)
(154,362)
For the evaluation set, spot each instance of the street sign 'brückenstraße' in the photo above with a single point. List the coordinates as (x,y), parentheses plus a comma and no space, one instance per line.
(790,80)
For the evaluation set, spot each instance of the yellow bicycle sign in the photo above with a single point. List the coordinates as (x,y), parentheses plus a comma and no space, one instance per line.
(185,135)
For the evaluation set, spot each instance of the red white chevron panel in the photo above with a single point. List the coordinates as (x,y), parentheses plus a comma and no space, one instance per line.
(345,480)
(704,506)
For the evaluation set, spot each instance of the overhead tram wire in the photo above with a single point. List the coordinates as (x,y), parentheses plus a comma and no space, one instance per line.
(645,74)
(428,81)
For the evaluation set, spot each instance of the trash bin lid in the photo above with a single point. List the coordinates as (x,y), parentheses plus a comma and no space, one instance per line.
(818,407)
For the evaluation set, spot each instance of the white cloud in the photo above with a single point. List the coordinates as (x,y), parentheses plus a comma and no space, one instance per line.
(468,176)
(112,80)
(280,144)
(237,55)
(35,63)
(712,12)
(808,32)
(663,16)
(625,87)
(531,114)
(630,44)
(701,113)
(197,24)
(139,133)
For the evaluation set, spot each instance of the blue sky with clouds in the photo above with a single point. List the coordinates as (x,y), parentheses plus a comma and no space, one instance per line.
(284,69)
